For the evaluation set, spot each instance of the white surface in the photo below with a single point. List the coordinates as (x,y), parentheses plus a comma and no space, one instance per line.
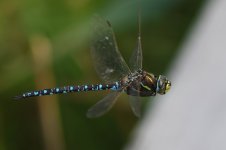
(192,116)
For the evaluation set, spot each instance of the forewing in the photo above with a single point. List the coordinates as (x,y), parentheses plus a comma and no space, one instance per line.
(107,59)
(137,57)
(103,105)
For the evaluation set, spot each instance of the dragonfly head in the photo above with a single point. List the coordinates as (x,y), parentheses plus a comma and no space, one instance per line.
(163,85)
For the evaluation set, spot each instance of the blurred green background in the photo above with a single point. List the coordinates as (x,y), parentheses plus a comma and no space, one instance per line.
(44,43)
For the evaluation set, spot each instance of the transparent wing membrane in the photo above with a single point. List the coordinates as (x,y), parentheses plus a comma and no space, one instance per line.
(134,100)
(135,104)
(137,57)
(107,59)
(103,105)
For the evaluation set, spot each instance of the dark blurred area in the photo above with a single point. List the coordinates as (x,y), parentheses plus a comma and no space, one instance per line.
(44,43)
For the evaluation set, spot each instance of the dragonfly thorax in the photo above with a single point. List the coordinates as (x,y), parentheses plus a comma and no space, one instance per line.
(140,83)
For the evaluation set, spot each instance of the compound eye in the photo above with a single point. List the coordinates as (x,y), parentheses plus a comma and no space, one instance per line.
(168,85)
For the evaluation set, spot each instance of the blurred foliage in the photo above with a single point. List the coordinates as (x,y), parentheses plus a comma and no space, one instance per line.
(66,26)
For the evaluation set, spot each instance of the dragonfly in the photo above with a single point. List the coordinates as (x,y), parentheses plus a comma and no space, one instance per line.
(118,77)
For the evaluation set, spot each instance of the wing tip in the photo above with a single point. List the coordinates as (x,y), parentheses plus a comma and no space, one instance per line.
(91,115)
(108,22)
(138,115)
(17,97)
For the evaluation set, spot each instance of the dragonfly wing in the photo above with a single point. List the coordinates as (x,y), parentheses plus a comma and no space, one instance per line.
(134,98)
(135,103)
(107,59)
(137,57)
(103,105)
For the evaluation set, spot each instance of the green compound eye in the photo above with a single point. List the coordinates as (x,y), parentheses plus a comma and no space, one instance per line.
(168,86)
(163,85)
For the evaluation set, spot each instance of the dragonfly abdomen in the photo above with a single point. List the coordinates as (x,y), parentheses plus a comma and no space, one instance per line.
(69,89)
